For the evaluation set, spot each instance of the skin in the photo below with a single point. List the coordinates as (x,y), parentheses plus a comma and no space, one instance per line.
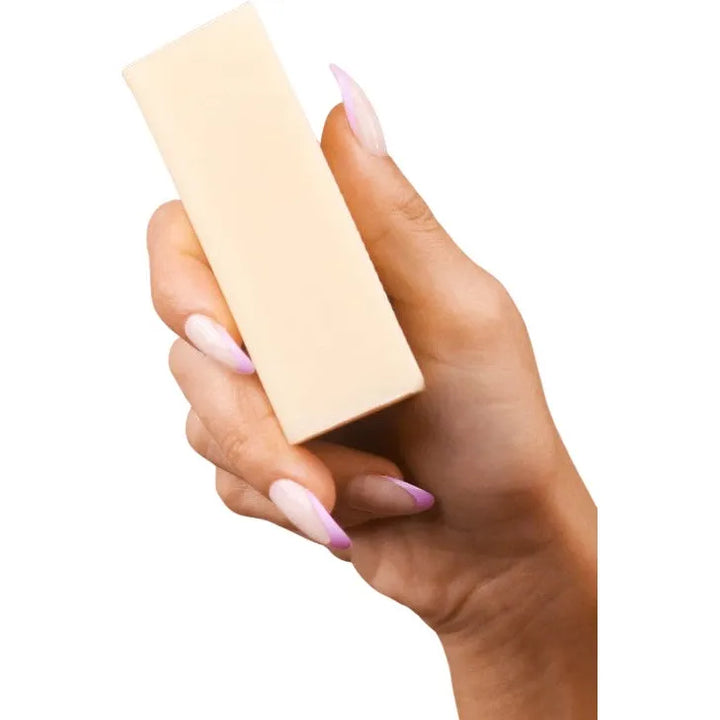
(503,567)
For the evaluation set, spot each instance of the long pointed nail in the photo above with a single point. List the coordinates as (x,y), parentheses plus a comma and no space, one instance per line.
(213,340)
(384,494)
(308,514)
(360,113)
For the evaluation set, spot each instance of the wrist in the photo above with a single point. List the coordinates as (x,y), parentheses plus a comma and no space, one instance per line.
(525,643)
(536,658)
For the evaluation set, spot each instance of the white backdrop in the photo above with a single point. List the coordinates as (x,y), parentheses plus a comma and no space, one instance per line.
(571,148)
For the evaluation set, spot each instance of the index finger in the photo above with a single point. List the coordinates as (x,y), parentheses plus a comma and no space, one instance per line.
(185,293)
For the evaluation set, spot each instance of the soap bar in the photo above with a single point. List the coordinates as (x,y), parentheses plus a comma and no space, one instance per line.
(274,226)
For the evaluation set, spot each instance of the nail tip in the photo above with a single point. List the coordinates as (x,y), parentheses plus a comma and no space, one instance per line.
(344,82)
(425,502)
(340,544)
(337,538)
(242,364)
(422,498)
(360,113)
(336,70)
(214,341)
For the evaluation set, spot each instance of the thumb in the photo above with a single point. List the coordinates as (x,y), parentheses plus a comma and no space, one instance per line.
(418,263)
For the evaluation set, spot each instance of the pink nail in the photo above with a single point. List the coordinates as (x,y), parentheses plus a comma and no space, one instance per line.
(385,494)
(213,340)
(308,514)
(360,113)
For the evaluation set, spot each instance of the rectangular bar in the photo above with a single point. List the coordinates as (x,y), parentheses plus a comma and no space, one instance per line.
(273,224)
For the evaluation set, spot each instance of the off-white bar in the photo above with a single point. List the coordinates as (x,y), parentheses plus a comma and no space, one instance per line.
(274,226)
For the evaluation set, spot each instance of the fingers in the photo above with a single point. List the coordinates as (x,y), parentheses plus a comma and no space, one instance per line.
(185,292)
(414,256)
(236,412)
(367,486)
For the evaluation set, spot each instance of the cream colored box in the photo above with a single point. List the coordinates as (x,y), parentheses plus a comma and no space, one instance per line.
(274,226)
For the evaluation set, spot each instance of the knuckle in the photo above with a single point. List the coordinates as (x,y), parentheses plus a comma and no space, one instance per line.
(164,296)
(496,309)
(413,209)
(236,447)
(498,304)
(221,484)
(236,495)
(196,434)
(487,314)
(162,219)
(226,489)
(175,356)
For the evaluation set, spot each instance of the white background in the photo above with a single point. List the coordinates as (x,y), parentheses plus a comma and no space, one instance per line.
(572,148)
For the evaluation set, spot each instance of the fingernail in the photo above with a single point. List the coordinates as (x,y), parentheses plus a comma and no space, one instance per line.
(360,113)
(308,514)
(213,340)
(382,493)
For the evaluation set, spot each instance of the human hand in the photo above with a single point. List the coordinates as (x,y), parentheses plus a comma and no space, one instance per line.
(503,566)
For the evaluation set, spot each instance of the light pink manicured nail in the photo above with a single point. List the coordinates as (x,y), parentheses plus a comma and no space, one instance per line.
(360,113)
(385,494)
(308,514)
(213,340)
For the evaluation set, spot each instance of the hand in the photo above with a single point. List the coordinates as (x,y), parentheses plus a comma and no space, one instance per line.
(503,565)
